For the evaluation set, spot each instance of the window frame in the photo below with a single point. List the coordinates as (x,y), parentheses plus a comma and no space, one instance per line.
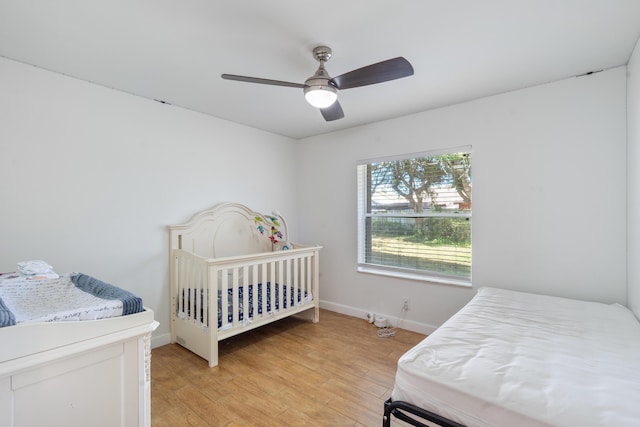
(363,214)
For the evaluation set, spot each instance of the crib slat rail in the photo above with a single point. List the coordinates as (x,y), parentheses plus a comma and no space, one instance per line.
(217,298)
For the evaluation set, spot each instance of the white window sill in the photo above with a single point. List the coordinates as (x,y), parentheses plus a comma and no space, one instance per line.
(414,276)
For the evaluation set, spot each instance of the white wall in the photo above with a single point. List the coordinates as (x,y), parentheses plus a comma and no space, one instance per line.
(549,197)
(633,125)
(91,177)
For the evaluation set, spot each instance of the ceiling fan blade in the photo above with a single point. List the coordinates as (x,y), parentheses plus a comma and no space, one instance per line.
(261,81)
(390,69)
(332,112)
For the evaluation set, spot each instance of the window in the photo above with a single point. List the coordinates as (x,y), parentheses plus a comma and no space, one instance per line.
(414,216)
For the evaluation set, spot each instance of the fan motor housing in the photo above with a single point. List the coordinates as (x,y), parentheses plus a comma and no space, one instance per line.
(322,53)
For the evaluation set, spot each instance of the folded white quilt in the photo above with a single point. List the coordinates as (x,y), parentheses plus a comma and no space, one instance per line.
(35,268)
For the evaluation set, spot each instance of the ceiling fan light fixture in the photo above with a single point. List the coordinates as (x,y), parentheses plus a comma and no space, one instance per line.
(321,90)
(321,96)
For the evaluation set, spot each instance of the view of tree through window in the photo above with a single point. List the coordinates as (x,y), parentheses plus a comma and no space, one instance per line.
(415,214)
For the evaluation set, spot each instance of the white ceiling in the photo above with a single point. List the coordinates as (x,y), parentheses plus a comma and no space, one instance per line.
(175,51)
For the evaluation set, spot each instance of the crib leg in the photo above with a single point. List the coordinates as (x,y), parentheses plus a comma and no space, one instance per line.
(214,360)
(312,315)
(213,352)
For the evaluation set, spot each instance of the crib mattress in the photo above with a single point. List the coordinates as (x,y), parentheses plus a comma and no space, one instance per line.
(510,358)
(287,300)
(71,296)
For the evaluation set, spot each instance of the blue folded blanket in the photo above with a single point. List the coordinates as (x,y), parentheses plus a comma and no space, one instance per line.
(130,303)
(6,316)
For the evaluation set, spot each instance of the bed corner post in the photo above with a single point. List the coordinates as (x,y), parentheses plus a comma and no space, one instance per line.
(173,271)
(316,285)
(386,418)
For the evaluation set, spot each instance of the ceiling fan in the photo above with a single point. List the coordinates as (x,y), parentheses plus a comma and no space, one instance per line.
(321,90)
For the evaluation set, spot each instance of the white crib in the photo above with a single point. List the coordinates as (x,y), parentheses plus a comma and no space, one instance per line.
(233,270)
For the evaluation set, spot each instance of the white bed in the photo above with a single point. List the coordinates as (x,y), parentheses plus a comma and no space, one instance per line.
(517,359)
(234,269)
(58,369)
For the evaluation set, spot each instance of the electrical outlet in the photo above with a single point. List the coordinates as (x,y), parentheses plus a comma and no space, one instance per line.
(405,304)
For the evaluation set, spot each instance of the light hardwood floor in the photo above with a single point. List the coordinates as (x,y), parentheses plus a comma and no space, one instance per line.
(337,372)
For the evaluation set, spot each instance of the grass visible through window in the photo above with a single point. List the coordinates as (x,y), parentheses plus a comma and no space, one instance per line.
(441,258)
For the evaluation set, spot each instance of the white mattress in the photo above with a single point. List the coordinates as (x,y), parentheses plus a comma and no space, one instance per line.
(50,300)
(517,359)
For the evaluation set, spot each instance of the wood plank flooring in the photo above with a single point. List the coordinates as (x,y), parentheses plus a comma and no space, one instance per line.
(337,372)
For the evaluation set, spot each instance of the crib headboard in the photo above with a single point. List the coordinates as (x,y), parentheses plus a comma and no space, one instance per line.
(228,229)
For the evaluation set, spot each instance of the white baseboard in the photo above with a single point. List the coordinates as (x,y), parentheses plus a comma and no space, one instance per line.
(160,340)
(409,325)
(421,328)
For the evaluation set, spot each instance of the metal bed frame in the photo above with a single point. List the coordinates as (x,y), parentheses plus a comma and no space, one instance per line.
(400,410)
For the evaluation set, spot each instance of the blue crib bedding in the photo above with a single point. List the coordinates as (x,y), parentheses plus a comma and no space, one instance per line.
(287,301)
